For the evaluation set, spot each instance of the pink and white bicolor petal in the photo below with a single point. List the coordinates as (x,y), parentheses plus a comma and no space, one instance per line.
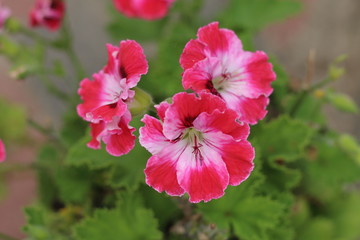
(193,52)
(127,62)
(161,109)
(186,108)
(151,135)
(117,135)
(224,122)
(101,98)
(2,151)
(203,179)
(250,110)
(238,157)
(161,174)
(220,42)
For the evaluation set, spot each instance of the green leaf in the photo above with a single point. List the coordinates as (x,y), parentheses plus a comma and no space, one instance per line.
(81,155)
(47,161)
(342,102)
(164,206)
(73,128)
(251,216)
(74,184)
(129,220)
(282,139)
(35,227)
(328,168)
(318,228)
(253,15)
(122,27)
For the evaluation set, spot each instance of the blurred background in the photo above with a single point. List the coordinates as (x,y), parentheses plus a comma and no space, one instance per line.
(327,28)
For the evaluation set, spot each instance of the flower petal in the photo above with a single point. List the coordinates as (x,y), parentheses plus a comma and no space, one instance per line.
(185,109)
(120,141)
(161,109)
(193,52)
(96,131)
(219,42)
(161,175)
(203,179)
(238,157)
(151,136)
(255,75)
(250,110)
(127,61)
(224,122)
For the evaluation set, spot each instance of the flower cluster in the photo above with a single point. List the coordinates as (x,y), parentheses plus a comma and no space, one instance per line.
(146,9)
(216,63)
(47,13)
(199,143)
(106,98)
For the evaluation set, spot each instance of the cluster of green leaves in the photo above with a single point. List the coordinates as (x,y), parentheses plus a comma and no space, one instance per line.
(302,187)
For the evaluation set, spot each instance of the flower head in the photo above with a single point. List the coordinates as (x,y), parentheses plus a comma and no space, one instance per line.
(108,94)
(2,151)
(48,13)
(146,9)
(107,98)
(4,15)
(198,147)
(216,63)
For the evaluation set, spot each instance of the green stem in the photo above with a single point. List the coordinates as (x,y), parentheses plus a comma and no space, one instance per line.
(3,236)
(36,37)
(53,89)
(47,132)
(69,50)
(307,91)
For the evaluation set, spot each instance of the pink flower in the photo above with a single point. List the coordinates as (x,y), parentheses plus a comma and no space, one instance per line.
(216,63)
(146,9)
(117,135)
(2,151)
(4,15)
(198,147)
(48,13)
(107,96)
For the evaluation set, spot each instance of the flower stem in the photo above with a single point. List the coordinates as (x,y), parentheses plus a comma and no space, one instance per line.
(69,50)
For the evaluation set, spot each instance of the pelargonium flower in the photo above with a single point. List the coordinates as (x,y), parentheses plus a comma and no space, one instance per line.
(4,15)
(48,13)
(108,94)
(215,62)
(117,135)
(146,9)
(106,99)
(2,151)
(198,147)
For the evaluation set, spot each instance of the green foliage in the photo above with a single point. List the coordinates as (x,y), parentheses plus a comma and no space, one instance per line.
(12,121)
(252,15)
(283,138)
(251,215)
(129,219)
(342,102)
